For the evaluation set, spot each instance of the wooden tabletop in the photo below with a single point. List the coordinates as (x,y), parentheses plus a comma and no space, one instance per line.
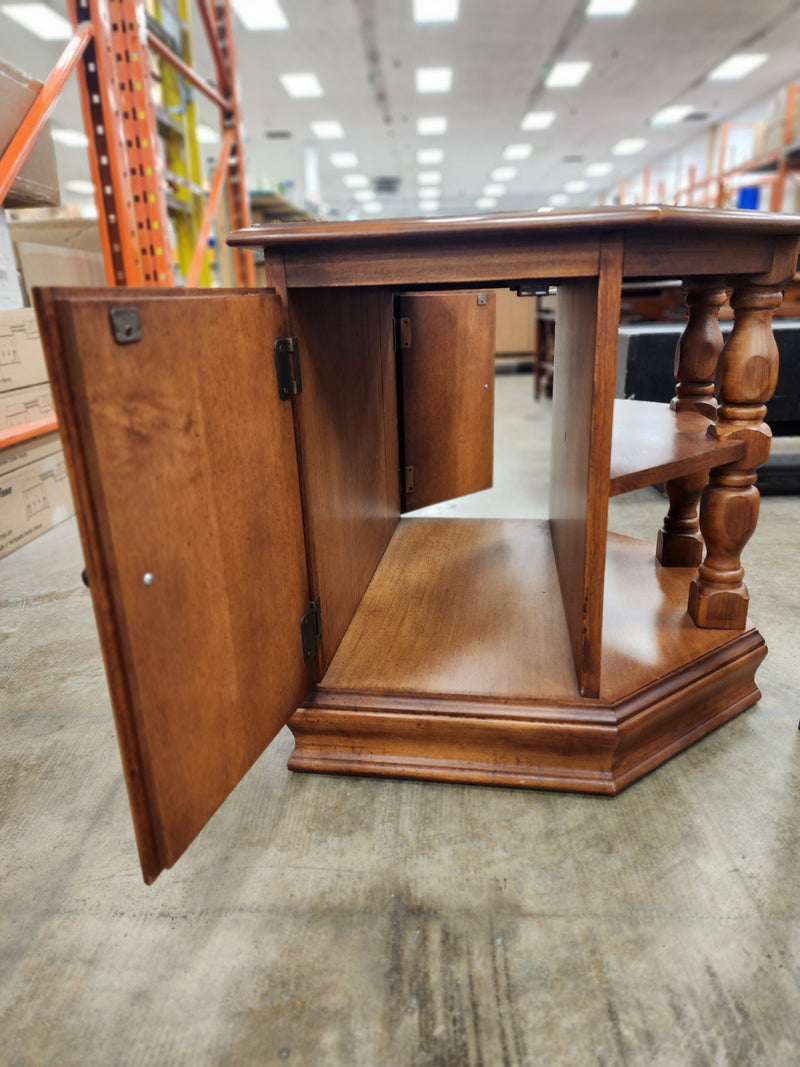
(590,219)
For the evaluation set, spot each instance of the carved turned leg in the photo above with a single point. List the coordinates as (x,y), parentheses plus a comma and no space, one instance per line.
(696,357)
(718,597)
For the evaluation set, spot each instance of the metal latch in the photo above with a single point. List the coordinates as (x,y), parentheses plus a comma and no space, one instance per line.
(126,324)
(287,364)
(402,333)
(311,629)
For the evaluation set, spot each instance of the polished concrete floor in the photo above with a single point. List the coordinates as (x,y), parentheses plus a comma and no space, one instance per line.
(331,921)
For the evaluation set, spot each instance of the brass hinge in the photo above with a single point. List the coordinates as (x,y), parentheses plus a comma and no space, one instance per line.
(287,364)
(402,333)
(407,479)
(311,629)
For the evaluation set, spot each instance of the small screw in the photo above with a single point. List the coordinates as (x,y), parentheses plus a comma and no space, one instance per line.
(148,579)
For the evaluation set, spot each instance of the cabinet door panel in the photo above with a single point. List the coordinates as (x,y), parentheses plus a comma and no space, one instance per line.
(448,394)
(184,469)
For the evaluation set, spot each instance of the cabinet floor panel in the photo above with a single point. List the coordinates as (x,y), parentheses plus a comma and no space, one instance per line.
(467,607)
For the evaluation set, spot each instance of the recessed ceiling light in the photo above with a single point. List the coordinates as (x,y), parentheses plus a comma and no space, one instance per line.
(206,134)
(538,120)
(70,138)
(427,157)
(598,170)
(610,7)
(343,159)
(558,200)
(41,20)
(629,146)
(356,181)
(327,130)
(363,195)
(669,116)
(432,124)
(81,186)
(568,74)
(260,14)
(494,189)
(435,10)
(504,174)
(737,66)
(300,86)
(429,177)
(576,186)
(517,151)
(485,203)
(433,79)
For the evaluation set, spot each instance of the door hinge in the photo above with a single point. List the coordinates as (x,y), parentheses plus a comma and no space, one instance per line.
(126,325)
(311,629)
(402,333)
(287,364)
(407,479)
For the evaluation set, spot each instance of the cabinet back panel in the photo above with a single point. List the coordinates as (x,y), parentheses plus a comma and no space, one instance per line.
(346,419)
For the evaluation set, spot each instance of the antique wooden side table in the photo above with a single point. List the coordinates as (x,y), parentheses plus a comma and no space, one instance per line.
(245,466)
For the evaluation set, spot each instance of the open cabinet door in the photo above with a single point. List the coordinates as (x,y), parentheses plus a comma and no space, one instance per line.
(446,354)
(183,464)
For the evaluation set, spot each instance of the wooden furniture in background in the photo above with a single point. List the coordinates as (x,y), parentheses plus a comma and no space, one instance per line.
(242,514)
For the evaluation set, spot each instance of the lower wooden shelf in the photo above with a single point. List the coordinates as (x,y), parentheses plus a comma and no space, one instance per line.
(457,667)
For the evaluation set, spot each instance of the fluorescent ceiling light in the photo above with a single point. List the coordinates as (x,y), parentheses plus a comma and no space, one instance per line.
(737,66)
(373,207)
(429,177)
(343,159)
(493,189)
(517,151)
(206,134)
(427,157)
(433,79)
(609,7)
(598,170)
(363,195)
(485,203)
(538,120)
(81,186)
(629,146)
(70,138)
(327,130)
(300,86)
(260,14)
(432,124)
(578,185)
(504,174)
(668,116)
(41,20)
(567,75)
(435,10)
(356,181)
(558,200)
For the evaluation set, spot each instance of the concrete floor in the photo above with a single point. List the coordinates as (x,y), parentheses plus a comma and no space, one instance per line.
(322,920)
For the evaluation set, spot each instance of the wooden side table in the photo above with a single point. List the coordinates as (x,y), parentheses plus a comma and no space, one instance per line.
(246,466)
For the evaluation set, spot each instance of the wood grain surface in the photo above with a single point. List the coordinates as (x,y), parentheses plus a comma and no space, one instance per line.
(183,460)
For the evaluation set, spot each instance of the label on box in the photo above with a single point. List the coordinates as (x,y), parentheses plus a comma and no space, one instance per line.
(18,406)
(33,499)
(10,288)
(22,360)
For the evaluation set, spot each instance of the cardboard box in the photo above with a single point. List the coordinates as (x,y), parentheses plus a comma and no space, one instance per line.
(35,448)
(51,265)
(18,406)
(22,360)
(10,282)
(36,185)
(34,497)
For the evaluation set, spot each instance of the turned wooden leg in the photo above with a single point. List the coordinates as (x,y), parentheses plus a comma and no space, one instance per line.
(679,541)
(698,350)
(718,597)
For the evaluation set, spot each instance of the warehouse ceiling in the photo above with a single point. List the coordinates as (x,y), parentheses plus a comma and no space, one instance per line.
(365,55)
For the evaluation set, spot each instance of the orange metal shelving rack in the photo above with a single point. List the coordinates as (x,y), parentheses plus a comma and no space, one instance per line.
(109,52)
